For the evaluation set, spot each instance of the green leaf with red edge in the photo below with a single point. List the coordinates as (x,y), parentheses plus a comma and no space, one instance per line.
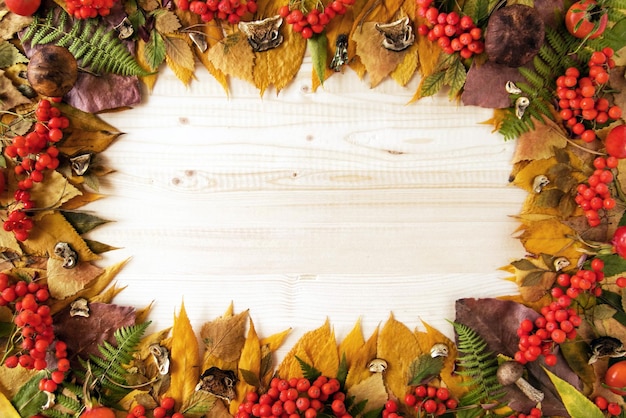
(318,47)
(576,403)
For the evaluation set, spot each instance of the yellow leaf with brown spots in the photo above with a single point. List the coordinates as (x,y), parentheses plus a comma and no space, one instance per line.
(397,345)
(427,340)
(51,229)
(250,361)
(541,142)
(318,348)
(63,282)
(184,359)
(552,237)
(233,56)
(87,132)
(224,339)
(360,359)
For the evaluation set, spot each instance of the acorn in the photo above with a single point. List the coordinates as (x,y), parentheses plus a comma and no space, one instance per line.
(52,71)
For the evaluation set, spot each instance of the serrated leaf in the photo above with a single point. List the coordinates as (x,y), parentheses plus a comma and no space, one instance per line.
(154,51)
(613,264)
(250,378)
(198,404)
(179,57)
(166,21)
(455,77)
(250,361)
(29,399)
(224,339)
(184,359)
(576,403)
(371,390)
(524,264)
(603,311)
(10,55)
(424,368)
(87,132)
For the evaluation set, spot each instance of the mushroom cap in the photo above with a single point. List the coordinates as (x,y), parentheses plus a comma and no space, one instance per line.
(514,35)
(509,372)
(52,71)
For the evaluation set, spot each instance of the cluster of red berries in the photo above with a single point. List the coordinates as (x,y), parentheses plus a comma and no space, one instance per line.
(89,9)
(571,286)
(556,324)
(34,335)
(533,413)
(225,10)
(164,410)
(34,153)
(296,398)
(315,21)
(428,399)
(595,195)
(582,106)
(612,408)
(453,33)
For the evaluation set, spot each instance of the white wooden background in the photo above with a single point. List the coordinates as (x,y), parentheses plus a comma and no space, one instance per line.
(345,203)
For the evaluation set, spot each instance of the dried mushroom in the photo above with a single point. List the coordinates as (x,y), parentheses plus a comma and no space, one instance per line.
(514,35)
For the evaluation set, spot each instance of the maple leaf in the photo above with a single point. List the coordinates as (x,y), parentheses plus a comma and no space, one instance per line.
(185,359)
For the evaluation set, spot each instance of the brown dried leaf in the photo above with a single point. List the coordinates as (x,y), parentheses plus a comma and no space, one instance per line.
(87,132)
(81,200)
(83,335)
(10,97)
(166,22)
(12,23)
(64,282)
(184,358)
(224,337)
(398,345)
(234,57)
(378,61)
(540,142)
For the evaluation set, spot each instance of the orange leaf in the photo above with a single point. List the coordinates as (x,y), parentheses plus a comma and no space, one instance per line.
(185,359)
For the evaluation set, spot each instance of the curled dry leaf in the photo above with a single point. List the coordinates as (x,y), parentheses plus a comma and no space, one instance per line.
(541,142)
(234,57)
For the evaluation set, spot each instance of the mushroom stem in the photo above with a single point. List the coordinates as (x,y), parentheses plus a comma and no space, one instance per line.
(511,372)
(531,392)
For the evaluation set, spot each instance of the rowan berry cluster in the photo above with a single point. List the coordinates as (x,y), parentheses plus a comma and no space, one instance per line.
(581,102)
(556,324)
(612,408)
(296,398)
(33,335)
(89,9)
(165,409)
(34,153)
(533,413)
(314,21)
(453,33)
(225,10)
(595,195)
(428,399)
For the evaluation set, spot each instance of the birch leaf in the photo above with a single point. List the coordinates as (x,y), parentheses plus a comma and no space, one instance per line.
(399,347)
(54,191)
(166,21)
(250,360)
(233,56)
(10,55)
(224,337)
(550,237)
(185,359)
(179,57)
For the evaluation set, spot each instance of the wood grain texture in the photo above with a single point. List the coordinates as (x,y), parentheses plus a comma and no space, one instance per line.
(344,203)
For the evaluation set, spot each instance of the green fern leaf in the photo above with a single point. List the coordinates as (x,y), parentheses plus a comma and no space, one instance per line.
(92,45)
(55,413)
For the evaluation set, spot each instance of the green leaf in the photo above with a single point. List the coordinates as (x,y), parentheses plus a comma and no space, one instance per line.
(10,55)
(524,264)
(83,222)
(342,372)
(432,84)
(577,404)
(29,399)
(198,404)
(154,52)
(455,76)
(613,264)
(576,353)
(603,311)
(318,47)
(250,378)
(424,368)
(308,371)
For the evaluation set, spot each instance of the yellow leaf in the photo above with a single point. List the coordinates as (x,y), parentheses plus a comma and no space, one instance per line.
(213,34)
(233,56)
(399,347)
(108,295)
(405,70)
(551,237)
(12,380)
(452,380)
(64,282)
(317,348)
(359,360)
(185,359)
(51,229)
(273,342)
(352,343)
(54,191)
(149,80)
(250,360)
(81,200)
(6,408)
(87,132)
(179,57)
(496,120)
(372,390)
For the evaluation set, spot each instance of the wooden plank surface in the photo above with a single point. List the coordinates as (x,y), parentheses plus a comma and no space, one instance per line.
(344,203)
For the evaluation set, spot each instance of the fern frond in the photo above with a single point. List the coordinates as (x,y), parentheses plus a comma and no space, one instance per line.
(55,413)
(92,45)
(477,364)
